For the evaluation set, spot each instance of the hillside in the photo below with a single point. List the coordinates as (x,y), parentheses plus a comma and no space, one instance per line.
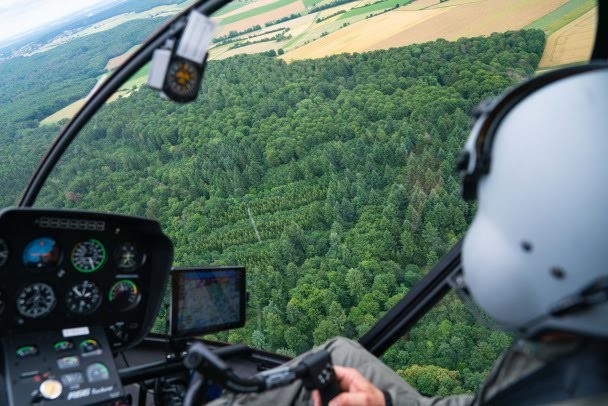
(344,163)
(34,87)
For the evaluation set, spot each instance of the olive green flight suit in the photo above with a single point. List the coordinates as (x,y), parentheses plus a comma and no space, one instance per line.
(522,359)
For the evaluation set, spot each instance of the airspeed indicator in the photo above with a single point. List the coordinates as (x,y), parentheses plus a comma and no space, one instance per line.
(88,256)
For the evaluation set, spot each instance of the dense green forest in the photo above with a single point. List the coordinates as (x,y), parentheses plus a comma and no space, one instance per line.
(345,165)
(33,87)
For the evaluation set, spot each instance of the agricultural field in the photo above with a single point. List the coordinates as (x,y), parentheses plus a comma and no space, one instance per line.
(263,8)
(365,25)
(232,7)
(120,59)
(160,11)
(373,7)
(420,5)
(132,85)
(450,20)
(563,15)
(572,43)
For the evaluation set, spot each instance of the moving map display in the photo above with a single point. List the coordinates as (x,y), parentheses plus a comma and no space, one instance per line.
(205,300)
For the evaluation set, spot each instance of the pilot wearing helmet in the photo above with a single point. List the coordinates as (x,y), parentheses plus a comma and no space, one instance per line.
(534,257)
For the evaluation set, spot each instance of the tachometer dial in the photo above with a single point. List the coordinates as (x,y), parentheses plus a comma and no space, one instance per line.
(88,256)
(128,257)
(3,252)
(42,253)
(83,298)
(124,295)
(36,300)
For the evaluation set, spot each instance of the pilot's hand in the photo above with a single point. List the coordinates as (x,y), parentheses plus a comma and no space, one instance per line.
(356,390)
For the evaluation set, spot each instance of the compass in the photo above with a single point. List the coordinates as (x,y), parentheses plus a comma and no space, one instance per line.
(183,80)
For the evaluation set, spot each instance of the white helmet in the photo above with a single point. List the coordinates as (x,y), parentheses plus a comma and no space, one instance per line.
(535,257)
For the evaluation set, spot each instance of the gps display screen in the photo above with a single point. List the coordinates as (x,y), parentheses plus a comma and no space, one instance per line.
(206,300)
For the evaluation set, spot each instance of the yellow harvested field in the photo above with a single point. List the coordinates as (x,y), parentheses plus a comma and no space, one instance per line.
(361,36)
(275,14)
(572,43)
(399,28)
(66,112)
(451,3)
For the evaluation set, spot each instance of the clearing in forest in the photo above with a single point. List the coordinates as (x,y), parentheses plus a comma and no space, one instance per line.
(571,43)
(451,20)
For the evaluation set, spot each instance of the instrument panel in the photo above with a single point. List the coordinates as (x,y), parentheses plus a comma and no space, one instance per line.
(62,269)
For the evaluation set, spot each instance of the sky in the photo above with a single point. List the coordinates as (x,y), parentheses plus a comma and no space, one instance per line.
(22,16)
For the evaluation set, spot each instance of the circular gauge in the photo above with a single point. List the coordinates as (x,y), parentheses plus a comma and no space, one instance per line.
(83,298)
(88,256)
(41,253)
(124,295)
(63,345)
(183,80)
(3,252)
(97,372)
(89,347)
(35,301)
(128,257)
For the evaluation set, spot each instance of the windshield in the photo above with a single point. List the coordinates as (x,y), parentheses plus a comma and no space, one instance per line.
(53,54)
(320,153)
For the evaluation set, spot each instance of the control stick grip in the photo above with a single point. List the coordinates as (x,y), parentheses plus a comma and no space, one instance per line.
(330,391)
(321,375)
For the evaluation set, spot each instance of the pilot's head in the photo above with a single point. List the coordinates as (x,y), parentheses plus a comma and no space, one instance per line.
(536,255)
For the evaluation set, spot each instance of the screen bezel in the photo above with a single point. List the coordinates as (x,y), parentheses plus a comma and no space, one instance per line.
(177,273)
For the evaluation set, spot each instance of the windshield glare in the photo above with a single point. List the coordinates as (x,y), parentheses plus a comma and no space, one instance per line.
(320,152)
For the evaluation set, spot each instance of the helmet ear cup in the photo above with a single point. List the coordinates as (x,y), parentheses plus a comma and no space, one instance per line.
(539,234)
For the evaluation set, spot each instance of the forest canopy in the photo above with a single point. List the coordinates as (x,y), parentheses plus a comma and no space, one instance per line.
(345,166)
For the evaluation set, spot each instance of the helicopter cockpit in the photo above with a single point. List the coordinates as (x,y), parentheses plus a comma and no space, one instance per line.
(237,189)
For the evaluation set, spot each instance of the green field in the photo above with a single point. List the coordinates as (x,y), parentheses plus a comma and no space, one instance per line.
(373,7)
(138,79)
(563,15)
(255,11)
(311,3)
(230,7)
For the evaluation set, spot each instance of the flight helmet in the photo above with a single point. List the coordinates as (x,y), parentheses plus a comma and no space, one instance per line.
(535,257)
